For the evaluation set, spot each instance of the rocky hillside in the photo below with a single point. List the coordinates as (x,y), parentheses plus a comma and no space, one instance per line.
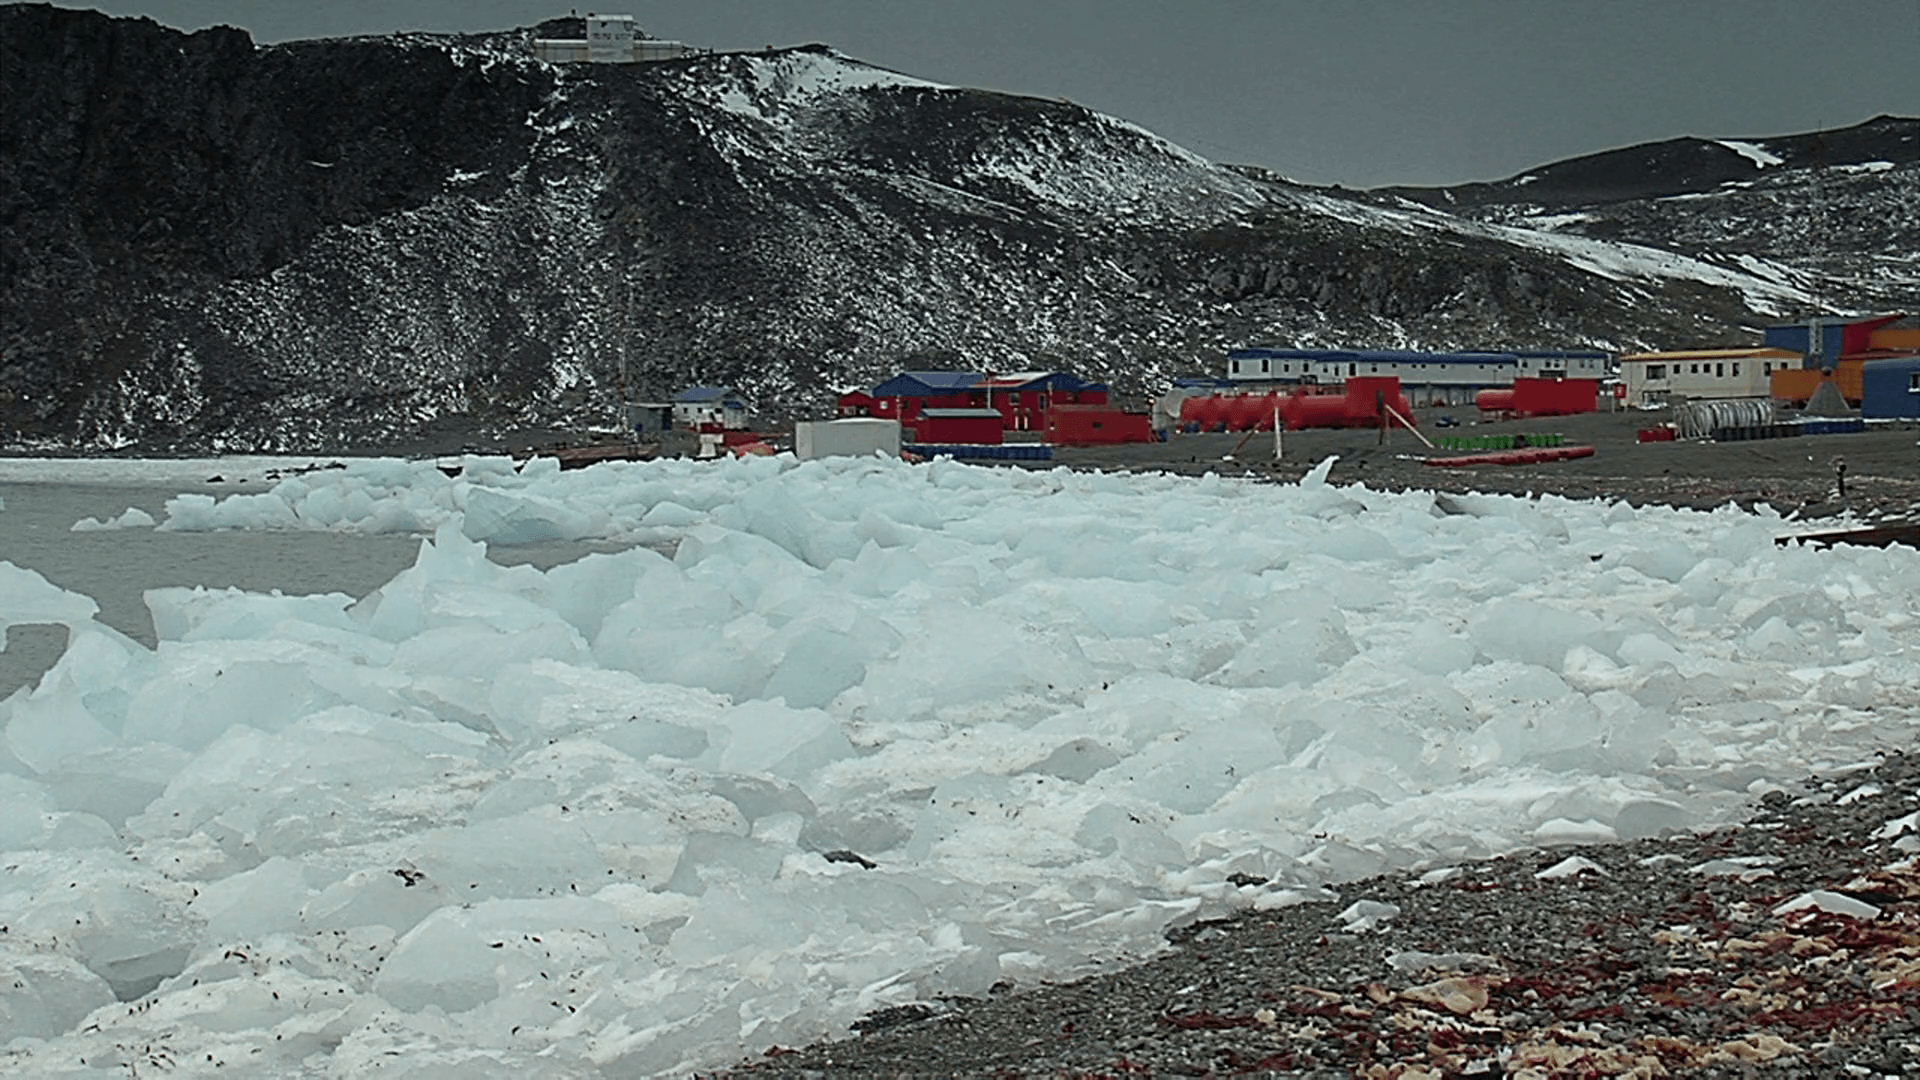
(1841,208)
(209,244)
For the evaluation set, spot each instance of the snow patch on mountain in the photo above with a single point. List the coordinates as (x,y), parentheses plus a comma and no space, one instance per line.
(1626,262)
(1754,152)
(1769,293)
(1550,222)
(769,87)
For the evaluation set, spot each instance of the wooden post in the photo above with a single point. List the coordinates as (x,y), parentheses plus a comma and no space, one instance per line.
(1408,424)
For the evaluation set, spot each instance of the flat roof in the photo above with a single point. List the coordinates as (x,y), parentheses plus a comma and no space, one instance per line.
(1761,352)
(1374,356)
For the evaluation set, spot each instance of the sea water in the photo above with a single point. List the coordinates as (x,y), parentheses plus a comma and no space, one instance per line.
(116,566)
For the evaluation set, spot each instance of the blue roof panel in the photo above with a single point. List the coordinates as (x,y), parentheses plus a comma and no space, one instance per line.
(927,383)
(1374,356)
(697,394)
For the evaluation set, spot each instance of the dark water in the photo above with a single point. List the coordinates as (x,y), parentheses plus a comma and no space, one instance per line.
(116,567)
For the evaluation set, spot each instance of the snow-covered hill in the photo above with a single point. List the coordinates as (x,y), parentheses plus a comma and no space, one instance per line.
(1835,214)
(335,243)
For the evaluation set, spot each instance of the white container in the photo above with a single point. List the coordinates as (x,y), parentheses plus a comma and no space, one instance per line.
(857,436)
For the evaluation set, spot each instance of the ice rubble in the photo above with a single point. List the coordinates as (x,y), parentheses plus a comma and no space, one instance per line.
(617,815)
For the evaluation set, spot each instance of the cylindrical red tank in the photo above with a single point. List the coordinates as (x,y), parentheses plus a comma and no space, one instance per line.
(1203,411)
(1494,400)
(1245,412)
(1316,411)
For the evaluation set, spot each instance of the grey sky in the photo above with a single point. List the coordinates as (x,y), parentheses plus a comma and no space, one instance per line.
(1355,92)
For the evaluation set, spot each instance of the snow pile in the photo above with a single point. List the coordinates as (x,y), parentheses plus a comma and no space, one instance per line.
(873,732)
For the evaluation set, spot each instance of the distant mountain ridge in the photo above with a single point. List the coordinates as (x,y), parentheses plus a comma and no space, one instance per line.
(205,244)
(1841,207)
(1685,166)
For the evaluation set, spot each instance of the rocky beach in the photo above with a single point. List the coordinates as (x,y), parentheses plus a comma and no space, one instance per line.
(1789,945)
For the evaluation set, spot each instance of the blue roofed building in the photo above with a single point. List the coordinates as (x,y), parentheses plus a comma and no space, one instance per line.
(1427,378)
(710,408)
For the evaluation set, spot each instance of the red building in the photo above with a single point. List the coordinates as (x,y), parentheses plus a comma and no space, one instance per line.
(1022,400)
(971,426)
(906,394)
(855,403)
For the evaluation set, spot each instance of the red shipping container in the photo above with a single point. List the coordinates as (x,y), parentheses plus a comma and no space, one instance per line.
(1542,397)
(1094,425)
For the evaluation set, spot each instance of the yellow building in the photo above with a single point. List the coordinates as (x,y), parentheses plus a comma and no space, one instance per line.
(1655,378)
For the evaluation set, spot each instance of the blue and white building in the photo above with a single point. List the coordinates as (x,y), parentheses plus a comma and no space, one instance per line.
(1427,378)
(701,407)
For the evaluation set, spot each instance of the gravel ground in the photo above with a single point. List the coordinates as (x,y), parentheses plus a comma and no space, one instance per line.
(1679,956)
(1796,476)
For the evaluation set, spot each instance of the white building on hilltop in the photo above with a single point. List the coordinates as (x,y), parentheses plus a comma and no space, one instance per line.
(611,39)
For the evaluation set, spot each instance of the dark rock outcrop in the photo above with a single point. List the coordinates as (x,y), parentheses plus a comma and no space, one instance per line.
(206,244)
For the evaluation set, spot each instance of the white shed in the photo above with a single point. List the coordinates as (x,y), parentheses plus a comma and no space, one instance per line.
(856,436)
